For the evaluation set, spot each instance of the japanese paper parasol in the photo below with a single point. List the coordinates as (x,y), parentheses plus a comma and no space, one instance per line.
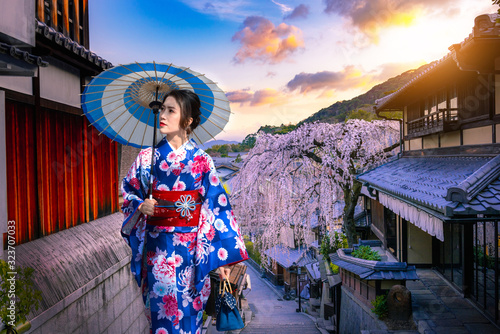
(123,102)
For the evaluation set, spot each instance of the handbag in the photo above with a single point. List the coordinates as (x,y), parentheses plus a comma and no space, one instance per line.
(228,316)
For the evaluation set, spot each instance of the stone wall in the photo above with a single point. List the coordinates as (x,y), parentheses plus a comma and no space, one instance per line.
(84,276)
(355,316)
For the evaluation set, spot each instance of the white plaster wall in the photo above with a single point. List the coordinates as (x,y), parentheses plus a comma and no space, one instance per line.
(477,136)
(450,139)
(18,84)
(60,82)
(419,246)
(17,21)
(431,141)
(416,144)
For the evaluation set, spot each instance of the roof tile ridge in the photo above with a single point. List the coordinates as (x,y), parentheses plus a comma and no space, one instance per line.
(466,190)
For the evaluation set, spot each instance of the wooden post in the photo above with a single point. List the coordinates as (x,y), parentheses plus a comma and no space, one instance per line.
(41,10)
(65,16)
(76,20)
(53,11)
(85,23)
(468,258)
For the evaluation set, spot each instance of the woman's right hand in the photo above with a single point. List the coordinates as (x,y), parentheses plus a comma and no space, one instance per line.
(148,206)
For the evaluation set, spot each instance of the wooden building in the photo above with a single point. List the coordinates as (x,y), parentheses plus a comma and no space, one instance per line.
(59,178)
(59,172)
(438,204)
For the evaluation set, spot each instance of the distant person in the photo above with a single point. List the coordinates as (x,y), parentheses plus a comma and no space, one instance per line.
(186,230)
(305,292)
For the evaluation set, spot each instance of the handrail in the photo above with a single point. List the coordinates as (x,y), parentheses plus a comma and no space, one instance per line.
(432,114)
(433,120)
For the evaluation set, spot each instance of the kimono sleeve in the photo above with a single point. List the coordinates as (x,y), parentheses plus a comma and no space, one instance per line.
(134,190)
(219,240)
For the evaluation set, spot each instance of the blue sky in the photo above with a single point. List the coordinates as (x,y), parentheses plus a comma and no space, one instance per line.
(281,61)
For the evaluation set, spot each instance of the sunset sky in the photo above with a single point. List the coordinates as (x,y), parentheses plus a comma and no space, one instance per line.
(280,61)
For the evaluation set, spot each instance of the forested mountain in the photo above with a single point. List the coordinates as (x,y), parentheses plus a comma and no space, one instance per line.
(339,110)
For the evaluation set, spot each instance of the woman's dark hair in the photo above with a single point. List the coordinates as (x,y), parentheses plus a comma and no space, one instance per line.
(190,107)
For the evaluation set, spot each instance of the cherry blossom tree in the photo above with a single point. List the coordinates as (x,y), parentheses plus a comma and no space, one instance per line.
(287,179)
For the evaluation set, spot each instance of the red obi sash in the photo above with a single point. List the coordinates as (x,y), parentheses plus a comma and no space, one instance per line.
(176,208)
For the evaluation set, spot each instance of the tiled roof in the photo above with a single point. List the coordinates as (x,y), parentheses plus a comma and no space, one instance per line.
(313,270)
(426,182)
(373,270)
(59,38)
(22,55)
(287,256)
(487,201)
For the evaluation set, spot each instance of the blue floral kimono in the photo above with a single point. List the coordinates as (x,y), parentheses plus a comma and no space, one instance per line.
(171,264)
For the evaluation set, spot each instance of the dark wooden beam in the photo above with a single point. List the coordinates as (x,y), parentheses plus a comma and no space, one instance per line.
(464,150)
(44,103)
(49,104)
(18,97)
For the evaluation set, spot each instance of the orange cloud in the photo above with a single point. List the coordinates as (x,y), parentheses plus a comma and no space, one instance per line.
(373,15)
(258,98)
(262,40)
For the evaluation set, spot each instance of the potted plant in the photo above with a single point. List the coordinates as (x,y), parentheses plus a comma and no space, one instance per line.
(18,296)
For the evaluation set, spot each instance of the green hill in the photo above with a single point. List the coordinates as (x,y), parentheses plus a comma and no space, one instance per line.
(338,111)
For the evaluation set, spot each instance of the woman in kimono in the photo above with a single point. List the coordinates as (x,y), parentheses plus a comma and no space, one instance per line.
(186,230)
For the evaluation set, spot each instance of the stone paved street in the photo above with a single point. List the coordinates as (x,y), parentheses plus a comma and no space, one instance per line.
(439,309)
(271,314)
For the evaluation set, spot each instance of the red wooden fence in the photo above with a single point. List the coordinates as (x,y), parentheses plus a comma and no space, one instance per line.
(60,172)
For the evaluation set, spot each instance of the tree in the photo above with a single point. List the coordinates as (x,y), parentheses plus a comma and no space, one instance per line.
(362,114)
(286,179)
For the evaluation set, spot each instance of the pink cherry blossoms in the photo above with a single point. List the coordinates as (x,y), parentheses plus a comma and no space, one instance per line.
(288,180)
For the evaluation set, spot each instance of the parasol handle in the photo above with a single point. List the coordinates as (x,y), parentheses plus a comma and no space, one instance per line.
(155,106)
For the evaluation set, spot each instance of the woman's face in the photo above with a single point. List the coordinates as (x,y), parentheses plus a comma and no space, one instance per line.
(170,118)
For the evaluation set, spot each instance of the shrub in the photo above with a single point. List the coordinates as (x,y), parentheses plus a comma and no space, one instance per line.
(253,252)
(366,253)
(16,284)
(380,306)
(331,245)
(335,269)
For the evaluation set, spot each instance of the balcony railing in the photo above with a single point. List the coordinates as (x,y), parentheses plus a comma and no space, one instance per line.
(432,123)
